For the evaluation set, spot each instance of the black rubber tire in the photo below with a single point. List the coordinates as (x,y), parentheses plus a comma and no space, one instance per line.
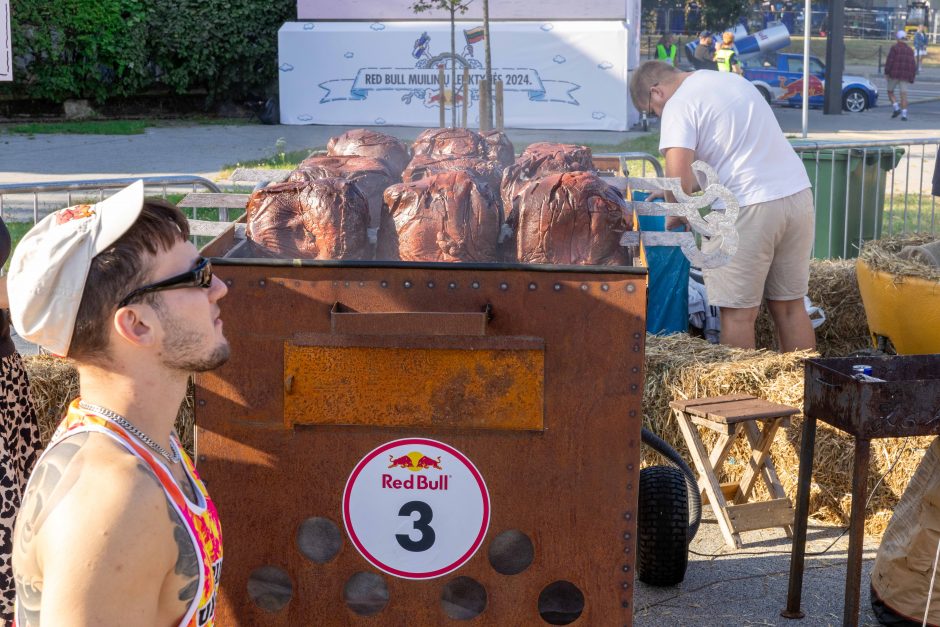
(854,100)
(662,547)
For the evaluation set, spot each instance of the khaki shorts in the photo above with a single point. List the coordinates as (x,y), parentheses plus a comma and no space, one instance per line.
(772,262)
(893,82)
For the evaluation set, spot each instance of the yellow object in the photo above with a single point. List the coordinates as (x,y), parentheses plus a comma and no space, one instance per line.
(904,309)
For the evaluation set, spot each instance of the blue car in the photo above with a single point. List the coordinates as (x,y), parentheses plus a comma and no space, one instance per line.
(779,77)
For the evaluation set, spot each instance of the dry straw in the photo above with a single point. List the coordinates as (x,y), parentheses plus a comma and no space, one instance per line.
(883,255)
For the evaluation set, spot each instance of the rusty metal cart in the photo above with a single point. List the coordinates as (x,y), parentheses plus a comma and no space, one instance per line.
(906,402)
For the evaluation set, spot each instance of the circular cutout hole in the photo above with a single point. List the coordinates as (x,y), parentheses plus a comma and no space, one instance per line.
(561,603)
(270,588)
(319,539)
(511,552)
(366,594)
(463,598)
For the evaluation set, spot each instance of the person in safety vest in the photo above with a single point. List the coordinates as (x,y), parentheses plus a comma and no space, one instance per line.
(726,57)
(666,50)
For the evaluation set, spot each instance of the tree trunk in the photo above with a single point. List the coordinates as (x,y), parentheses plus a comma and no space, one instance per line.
(488,62)
(453,67)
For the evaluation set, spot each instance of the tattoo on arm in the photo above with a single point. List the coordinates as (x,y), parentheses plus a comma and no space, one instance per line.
(187,562)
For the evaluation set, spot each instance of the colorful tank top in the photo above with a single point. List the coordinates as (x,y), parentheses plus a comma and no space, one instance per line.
(201,519)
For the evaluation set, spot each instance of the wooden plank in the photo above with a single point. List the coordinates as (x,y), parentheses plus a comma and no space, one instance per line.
(717,457)
(761,515)
(728,489)
(769,472)
(204,200)
(683,404)
(719,427)
(760,456)
(737,411)
(712,487)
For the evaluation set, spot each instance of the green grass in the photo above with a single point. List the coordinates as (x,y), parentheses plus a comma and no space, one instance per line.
(280,161)
(114,127)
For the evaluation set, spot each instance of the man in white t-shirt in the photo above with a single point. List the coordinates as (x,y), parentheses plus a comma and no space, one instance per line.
(722,119)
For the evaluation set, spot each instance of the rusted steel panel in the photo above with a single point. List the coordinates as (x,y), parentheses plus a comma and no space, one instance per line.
(361,385)
(570,488)
(407,323)
(906,403)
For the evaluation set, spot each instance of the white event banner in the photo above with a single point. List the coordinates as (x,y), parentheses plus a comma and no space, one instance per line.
(6,43)
(416,508)
(556,75)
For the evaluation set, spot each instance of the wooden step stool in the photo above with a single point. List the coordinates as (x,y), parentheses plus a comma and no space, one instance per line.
(729,416)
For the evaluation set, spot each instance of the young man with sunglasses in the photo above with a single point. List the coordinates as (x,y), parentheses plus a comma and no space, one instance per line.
(115,527)
(722,119)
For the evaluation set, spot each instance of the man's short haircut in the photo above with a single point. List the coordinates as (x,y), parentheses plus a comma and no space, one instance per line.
(727,38)
(644,77)
(120,269)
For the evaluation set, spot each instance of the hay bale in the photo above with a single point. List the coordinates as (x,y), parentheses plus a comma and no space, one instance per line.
(833,286)
(53,384)
(882,254)
(679,367)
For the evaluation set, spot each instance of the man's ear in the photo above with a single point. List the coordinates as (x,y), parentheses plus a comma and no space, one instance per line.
(135,324)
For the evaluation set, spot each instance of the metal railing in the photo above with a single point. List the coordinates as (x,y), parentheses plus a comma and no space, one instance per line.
(61,192)
(643,157)
(864,190)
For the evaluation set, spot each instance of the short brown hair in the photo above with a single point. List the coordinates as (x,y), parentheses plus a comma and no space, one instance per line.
(120,269)
(644,77)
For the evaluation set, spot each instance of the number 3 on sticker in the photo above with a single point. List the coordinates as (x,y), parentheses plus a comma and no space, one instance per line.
(421,525)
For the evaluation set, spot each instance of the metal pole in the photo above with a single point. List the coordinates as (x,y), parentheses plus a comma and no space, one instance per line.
(465,90)
(853,575)
(807,23)
(798,550)
(835,58)
(486,49)
(453,68)
(442,122)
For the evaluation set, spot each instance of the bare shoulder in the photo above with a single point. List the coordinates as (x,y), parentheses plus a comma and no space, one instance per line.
(93,525)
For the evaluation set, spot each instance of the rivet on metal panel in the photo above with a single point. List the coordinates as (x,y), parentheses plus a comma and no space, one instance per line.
(636,348)
(475,285)
(627,515)
(604,287)
(629,466)
(203,458)
(557,287)
(407,284)
(504,286)
(626,536)
(631,287)
(625,604)
(584,287)
(229,282)
(261,283)
(633,387)
(626,568)
(345,283)
(384,283)
(630,485)
(202,402)
(635,369)
(533,286)
(625,585)
(452,285)
(626,550)
(289,384)
(430,285)
(636,336)
(362,283)
(633,413)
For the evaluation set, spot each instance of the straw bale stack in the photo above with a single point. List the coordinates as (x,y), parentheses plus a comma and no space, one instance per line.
(53,383)
(679,366)
(882,254)
(833,286)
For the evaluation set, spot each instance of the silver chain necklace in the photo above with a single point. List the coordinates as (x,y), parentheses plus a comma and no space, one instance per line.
(173,458)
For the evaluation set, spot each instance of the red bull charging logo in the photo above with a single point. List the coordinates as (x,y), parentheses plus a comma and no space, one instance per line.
(415,462)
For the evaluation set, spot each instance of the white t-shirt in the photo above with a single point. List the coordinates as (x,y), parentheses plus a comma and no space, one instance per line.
(729,125)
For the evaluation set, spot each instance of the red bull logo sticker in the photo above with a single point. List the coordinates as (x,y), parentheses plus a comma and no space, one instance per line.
(416,508)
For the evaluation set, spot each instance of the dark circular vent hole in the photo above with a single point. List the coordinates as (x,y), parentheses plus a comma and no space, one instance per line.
(463,598)
(319,539)
(366,594)
(270,588)
(561,603)
(511,552)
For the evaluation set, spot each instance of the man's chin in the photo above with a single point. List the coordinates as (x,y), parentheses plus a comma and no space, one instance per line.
(218,357)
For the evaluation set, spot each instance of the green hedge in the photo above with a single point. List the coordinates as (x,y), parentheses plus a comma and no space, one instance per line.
(101,49)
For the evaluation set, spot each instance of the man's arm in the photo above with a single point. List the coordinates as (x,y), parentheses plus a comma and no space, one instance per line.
(4,299)
(106,548)
(679,165)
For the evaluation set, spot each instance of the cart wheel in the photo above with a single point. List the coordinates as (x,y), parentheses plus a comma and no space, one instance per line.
(662,526)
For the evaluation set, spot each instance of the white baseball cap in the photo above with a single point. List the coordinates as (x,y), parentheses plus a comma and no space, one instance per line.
(50,265)
(901,35)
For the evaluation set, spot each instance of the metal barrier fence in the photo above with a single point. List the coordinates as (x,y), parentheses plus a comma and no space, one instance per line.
(35,200)
(865,190)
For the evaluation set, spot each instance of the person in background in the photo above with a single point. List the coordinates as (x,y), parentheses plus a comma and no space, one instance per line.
(704,56)
(726,58)
(116,528)
(701,115)
(900,68)
(920,45)
(19,438)
(666,50)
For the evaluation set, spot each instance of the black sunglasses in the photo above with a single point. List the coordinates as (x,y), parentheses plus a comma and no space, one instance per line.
(200,276)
